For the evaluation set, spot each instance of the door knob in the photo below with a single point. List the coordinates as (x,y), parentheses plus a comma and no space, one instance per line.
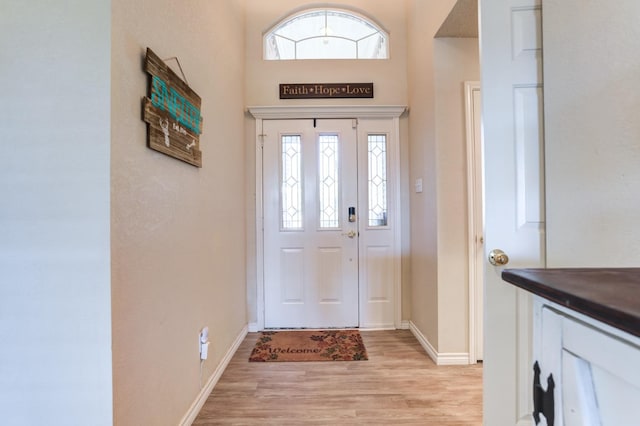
(498,258)
(350,234)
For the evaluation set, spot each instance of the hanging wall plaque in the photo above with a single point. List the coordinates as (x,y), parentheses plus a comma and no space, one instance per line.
(172,112)
(326,90)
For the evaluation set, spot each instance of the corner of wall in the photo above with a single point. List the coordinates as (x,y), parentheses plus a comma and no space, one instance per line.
(439,358)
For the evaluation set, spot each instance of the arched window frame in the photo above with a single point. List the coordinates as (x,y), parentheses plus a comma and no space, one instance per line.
(376,27)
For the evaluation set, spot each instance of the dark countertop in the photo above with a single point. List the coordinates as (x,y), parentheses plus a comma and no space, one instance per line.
(610,295)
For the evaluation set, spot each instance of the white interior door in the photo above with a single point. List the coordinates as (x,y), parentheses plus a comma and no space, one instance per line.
(512,120)
(310,238)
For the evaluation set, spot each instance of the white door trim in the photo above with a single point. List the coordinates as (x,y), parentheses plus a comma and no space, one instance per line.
(261,113)
(476,231)
(355,111)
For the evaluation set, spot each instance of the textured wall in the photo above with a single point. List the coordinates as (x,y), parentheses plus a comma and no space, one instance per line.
(424,19)
(388,76)
(55,306)
(592,99)
(177,231)
(263,77)
(456,61)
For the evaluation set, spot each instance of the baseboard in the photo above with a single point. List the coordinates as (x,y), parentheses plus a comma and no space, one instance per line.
(451,358)
(195,408)
(424,342)
(376,326)
(404,325)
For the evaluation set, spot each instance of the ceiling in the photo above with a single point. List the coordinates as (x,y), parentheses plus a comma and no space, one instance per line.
(462,21)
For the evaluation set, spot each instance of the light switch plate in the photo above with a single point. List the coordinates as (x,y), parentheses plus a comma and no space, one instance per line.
(418,185)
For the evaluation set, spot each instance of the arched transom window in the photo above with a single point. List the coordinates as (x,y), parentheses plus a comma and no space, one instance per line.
(326,34)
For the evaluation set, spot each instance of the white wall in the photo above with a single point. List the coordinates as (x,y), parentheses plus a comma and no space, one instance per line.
(592,131)
(456,60)
(55,305)
(424,17)
(177,231)
(263,78)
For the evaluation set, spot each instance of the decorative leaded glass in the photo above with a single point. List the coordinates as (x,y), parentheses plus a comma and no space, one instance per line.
(326,34)
(291,183)
(377,180)
(328,181)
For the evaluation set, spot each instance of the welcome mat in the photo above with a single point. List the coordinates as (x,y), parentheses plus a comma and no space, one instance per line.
(304,345)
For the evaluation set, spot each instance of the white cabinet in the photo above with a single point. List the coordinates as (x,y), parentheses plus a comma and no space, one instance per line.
(592,369)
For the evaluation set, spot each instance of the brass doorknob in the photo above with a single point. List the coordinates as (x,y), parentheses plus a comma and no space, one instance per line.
(350,234)
(498,258)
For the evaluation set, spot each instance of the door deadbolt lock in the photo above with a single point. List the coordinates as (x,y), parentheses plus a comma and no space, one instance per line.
(352,214)
(498,258)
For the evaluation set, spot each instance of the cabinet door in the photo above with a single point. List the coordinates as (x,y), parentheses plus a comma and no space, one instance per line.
(600,377)
(596,381)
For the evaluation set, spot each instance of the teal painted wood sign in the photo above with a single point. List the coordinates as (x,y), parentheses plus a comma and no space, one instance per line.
(172,112)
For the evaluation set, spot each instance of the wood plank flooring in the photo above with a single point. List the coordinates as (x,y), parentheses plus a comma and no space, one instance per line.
(398,385)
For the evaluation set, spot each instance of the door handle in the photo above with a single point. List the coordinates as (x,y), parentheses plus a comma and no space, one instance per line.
(350,234)
(498,258)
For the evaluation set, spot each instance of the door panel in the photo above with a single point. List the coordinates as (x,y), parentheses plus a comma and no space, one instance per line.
(379,269)
(292,261)
(330,274)
(311,259)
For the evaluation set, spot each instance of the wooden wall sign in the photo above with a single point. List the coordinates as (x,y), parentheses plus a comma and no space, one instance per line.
(172,112)
(326,90)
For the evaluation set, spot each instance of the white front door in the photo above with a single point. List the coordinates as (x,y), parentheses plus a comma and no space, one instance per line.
(310,191)
(511,60)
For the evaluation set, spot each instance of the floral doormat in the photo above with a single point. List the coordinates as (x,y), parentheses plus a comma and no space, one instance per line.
(304,345)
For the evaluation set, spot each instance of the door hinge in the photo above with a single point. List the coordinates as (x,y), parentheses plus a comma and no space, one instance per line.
(354,123)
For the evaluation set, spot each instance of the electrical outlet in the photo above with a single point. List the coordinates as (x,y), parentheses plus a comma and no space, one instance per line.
(204,351)
(203,343)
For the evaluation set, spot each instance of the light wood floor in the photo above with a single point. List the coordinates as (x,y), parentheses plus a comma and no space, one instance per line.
(399,384)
